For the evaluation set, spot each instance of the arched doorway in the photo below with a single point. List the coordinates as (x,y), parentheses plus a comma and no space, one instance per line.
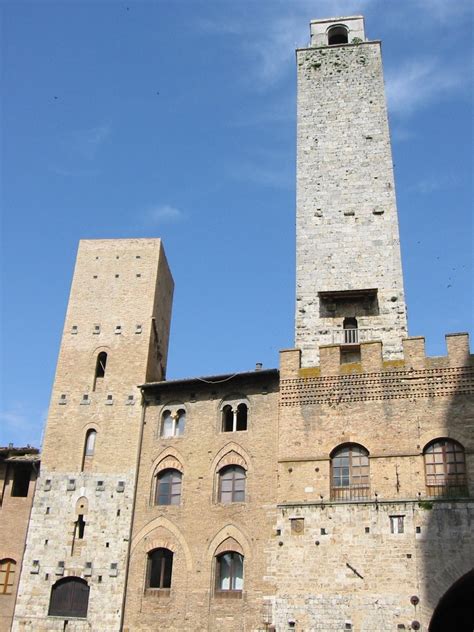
(455,610)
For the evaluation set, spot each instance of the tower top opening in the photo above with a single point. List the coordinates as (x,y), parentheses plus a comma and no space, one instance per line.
(336,31)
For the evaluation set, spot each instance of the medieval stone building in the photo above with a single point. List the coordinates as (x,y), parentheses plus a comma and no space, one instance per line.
(330,494)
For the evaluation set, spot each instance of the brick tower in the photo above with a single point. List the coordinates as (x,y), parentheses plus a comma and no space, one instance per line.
(349,284)
(115,338)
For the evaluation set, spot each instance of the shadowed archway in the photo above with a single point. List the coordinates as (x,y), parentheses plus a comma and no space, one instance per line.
(455,610)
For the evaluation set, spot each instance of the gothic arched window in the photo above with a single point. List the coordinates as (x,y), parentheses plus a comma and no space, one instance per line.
(160,568)
(230,572)
(232,484)
(168,487)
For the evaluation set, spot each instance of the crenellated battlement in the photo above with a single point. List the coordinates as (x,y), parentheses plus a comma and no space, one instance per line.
(370,360)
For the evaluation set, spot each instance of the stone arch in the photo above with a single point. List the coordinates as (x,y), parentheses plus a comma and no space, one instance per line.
(82,506)
(231,454)
(166,524)
(454,610)
(229,533)
(233,398)
(171,459)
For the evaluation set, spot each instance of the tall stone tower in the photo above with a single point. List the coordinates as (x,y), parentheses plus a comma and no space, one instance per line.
(115,338)
(349,284)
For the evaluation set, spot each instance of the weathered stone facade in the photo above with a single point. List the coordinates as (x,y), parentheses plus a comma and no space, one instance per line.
(347,242)
(331,494)
(120,305)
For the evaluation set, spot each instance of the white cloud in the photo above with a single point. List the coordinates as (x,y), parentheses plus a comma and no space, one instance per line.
(418,82)
(163,213)
(431,184)
(87,142)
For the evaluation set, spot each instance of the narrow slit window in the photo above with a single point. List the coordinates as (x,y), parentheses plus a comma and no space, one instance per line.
(101,364)
(80,526)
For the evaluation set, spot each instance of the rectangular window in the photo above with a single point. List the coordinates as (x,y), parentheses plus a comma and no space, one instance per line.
(21,480)
(397,524)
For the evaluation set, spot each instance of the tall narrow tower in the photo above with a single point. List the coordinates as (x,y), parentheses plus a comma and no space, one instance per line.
(349,284)
(115,338)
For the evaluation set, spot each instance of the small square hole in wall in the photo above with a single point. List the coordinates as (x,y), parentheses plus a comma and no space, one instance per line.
(99,579)
(297,526)
(100,486)
(409,556)
(110,400)
(85,399)
(278,532)
(96,329)
(121,487)
(107,545)
(138,329)
(118,329)
(63,398)
(117,276)
(95,276)
(418,529)
(367,529)
(47,486)
(118,512)
(117,257)
(46,576)
(74,329)
(137,257)
(46,542)
(138,275)
(323,531)
(47,510)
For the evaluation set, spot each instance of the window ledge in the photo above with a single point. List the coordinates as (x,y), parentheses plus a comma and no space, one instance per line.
(228,594)
(160,593)
(61,617)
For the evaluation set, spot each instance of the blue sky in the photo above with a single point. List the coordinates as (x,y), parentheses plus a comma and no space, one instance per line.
(176,119)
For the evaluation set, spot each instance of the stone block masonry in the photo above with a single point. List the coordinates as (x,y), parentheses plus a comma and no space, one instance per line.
(347,225)
(115,337)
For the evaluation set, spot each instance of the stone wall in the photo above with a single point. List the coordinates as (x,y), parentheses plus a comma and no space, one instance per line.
(120,305)
(336,563)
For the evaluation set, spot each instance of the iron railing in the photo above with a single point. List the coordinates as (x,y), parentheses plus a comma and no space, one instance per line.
(350,492)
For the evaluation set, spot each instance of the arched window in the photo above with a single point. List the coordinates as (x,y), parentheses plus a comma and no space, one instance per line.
(351,332)
(234,417)
(168,487)
(90,443)
(7,576)
(89,448)
(445,468)
(100,365)
(173,423)
(337,35)
(69,598)
(230,571)
(232,484)
(350,473)
(160,568)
